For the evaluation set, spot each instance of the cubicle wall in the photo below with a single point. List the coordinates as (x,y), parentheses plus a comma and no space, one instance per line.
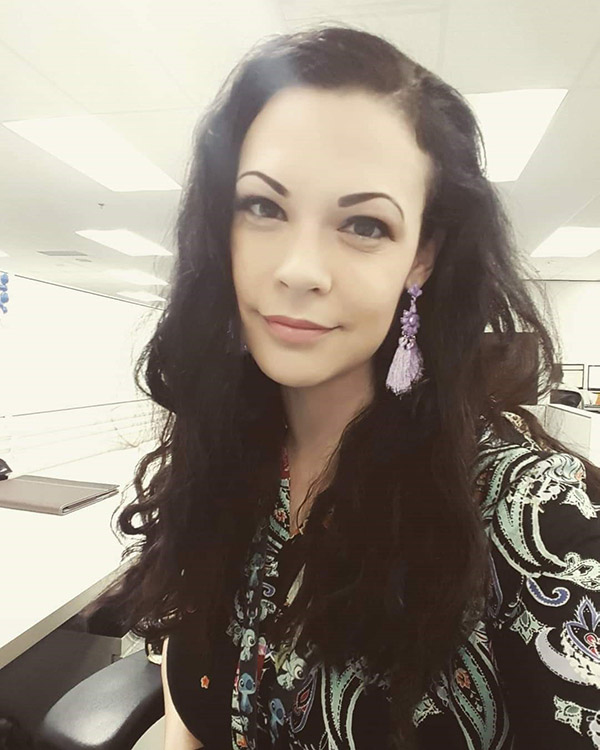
(578,429)
(66,383)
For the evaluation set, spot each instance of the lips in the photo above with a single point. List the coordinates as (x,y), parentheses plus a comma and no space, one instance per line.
(296,323)
(294,336)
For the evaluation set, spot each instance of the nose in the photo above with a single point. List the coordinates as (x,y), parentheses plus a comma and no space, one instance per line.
(305,262)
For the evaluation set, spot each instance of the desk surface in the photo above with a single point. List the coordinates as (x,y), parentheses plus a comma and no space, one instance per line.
(53,566)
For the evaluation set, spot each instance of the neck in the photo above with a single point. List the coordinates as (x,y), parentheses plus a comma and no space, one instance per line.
(317,415)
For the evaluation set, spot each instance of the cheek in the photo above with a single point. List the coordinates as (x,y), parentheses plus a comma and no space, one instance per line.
(244,275)
(375,325)
(239,262)
(375,305)
(250,266)
(368,326)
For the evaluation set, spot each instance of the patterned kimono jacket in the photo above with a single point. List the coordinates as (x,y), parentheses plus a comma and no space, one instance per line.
(528,677)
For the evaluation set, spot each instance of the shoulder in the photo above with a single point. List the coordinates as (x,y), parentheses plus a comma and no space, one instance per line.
(515,469)
(535,504)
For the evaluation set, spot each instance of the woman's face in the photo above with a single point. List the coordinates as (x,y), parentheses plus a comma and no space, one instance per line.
(301,250)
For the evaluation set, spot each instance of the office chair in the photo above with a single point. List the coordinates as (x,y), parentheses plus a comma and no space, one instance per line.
(566,397)
(109,710)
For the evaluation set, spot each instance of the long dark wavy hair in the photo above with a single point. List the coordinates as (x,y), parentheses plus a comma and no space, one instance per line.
(399,575)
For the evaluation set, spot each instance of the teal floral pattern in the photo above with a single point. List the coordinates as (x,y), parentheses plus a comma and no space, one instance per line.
(529,674)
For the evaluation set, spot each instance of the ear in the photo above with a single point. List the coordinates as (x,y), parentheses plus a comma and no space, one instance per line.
(425,258)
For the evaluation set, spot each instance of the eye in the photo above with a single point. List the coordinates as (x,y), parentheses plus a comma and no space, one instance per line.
(368,222)
(244,204)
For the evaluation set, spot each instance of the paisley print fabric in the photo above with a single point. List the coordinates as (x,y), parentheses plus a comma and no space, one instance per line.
(528,677)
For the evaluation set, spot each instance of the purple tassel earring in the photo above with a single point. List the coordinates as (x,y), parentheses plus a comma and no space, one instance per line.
(407,365)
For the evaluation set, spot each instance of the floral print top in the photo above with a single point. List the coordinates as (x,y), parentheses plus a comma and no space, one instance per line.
(528,677)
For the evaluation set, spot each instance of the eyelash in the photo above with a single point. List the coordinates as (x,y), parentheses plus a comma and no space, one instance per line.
(243,204)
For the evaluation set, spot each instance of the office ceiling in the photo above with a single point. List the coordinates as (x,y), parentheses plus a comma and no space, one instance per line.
(147,68)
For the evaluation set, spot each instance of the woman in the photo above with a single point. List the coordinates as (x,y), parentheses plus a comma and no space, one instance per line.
(356,537)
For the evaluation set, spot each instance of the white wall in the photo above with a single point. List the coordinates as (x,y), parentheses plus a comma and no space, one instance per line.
(576,310)
(66,374)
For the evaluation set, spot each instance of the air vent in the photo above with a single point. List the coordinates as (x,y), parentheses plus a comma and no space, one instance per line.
(62,253)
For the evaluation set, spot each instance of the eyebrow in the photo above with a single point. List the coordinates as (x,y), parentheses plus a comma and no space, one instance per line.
(345,200)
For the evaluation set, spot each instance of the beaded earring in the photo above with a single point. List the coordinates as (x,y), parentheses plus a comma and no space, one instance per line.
(407,364)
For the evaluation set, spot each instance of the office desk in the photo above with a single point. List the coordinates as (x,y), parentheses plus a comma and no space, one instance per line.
(53,566)
(578,429)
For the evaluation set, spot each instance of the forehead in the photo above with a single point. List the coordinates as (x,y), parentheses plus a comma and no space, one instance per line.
(309,136)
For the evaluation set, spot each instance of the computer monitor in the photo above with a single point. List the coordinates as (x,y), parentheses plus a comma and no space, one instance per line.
(593,378)
(573,375)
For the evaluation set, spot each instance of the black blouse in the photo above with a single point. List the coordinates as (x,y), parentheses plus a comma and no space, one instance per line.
(528,677)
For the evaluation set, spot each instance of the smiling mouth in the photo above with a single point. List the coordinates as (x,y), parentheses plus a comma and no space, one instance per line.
(294,335)
(296,322)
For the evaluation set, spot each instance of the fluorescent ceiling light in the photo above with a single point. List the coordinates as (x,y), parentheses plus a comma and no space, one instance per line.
(124,241)
(85,143)
(569,242)
(137,277)
(512,125)
(142,296)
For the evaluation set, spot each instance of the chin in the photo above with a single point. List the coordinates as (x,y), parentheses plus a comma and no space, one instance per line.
(291,377)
